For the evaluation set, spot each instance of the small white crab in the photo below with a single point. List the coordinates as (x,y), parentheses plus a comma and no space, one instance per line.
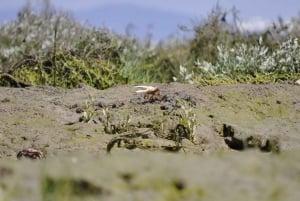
(151,93)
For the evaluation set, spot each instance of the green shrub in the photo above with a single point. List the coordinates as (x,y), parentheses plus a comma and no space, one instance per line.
(71,71)
(254,64)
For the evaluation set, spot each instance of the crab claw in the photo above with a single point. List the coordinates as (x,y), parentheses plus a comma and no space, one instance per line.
(146,89)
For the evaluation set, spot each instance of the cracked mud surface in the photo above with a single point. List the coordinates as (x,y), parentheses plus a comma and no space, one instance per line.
(238,128)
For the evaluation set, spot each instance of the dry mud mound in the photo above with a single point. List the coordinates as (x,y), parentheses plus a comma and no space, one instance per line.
(185,119)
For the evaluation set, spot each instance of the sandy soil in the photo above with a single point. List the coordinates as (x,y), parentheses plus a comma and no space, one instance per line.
(245,143)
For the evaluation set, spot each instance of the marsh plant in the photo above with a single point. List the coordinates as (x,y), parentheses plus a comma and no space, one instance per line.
(110,125)
(188,119)
(89,111)
(187,123)
(107,121)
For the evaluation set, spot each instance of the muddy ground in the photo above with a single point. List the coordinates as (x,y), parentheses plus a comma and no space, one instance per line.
(212,143)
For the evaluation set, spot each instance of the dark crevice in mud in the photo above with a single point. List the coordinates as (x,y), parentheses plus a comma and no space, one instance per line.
(270,144)
(230,140)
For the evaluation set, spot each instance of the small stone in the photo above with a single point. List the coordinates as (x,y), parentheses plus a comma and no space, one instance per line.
(5,100)
(211,116)
(164,107)
(79,110)
(297,82)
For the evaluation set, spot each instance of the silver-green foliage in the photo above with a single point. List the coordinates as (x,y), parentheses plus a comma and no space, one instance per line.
(286,57)
(36,34)
(250,60)
(184,75)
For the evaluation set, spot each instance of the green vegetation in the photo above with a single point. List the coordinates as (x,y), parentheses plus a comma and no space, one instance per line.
(89,112)
(154,135)
(117,127)
(52,48)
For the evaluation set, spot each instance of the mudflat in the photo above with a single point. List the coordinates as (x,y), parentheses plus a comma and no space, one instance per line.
(223,142)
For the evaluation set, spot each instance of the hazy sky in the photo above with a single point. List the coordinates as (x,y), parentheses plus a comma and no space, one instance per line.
(160,17)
